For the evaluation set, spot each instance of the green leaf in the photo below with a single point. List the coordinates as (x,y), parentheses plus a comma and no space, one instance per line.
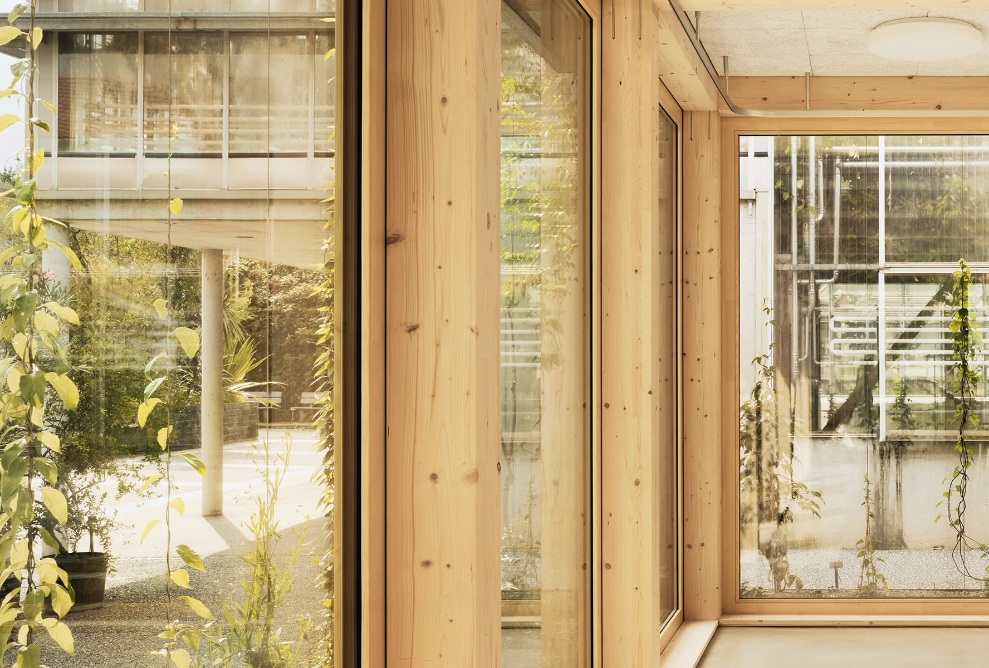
(16,12)
(45,324)
(36,36)
(69,254)
(54,501)
(189,340)
(154,360)
(60,633)
(61,600)
(178,505)
(147,529)
(161,307)
(48,539)
(8,34)
(163,434)
(144,410)
(180,576)
(20,67)
(152,387)
(40,124)
(23,309)
(180,658)
(50,441)
(197,607)
(33,602)
(150,480)
(66,389)
(49,106)
(30,656)
(32,389)
(47,469)
(191,559)
(175,206)
(64,312)
(194,461)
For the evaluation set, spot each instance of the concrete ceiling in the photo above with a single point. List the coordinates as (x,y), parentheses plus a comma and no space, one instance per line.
(822,42)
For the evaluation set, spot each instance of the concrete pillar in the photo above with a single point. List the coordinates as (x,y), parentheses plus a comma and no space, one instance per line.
(212,378)
(53,259)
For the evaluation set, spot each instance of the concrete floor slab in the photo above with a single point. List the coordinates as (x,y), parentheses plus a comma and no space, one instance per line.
(847,648)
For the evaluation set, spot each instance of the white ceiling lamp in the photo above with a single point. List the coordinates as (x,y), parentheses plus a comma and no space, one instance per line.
(925,39)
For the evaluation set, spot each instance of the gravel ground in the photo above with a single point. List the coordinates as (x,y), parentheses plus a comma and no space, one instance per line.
(910,573)
(124,631)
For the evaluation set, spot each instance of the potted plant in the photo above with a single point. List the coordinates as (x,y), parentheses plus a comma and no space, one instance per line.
(90,524)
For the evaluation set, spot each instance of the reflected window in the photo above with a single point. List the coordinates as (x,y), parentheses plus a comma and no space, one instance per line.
(545,288)
(270,113)
(183,93)
(97,93)
(665,382)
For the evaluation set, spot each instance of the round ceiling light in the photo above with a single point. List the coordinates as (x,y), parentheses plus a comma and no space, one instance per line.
(925,39)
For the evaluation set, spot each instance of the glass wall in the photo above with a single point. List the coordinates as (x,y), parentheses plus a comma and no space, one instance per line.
(262,7)
(98,93)
(546,437)
(863,455)
(193,443)
(120,93)
(668,397)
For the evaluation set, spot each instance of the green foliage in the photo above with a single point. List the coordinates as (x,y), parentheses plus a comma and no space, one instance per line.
(34,378)
(871,580)
(247,633)
(520,550)
(769,491)
(966,344)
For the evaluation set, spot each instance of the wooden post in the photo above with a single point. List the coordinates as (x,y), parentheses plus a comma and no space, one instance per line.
(702,370)
(442,321)
(630,368)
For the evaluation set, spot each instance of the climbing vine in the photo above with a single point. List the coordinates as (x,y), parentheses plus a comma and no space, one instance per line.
(966,342)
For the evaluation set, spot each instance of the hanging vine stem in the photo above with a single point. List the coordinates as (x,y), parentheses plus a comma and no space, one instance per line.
(965,345)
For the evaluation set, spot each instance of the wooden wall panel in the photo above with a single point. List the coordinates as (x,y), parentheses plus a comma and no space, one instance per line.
(442,289)
(702,365)
(630,211)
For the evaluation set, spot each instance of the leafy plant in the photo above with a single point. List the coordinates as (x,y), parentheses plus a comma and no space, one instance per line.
(871,580)
(768,489)
(966,344)
(520,550)
(248,633)
(35,374)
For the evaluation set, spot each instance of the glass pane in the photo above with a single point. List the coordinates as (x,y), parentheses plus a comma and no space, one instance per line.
(183,93)
(97,92)
(666,382)
(217,306)
(96,5)
(861,415)
(545,456)
(271,113)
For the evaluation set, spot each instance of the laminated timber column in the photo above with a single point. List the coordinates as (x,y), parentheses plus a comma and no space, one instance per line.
(630,266)
(442,523)
(702,360)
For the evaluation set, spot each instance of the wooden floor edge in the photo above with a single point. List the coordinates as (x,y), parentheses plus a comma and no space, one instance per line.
(688,645)
(974,621)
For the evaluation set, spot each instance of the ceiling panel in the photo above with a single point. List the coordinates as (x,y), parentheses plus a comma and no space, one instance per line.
(824,43)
